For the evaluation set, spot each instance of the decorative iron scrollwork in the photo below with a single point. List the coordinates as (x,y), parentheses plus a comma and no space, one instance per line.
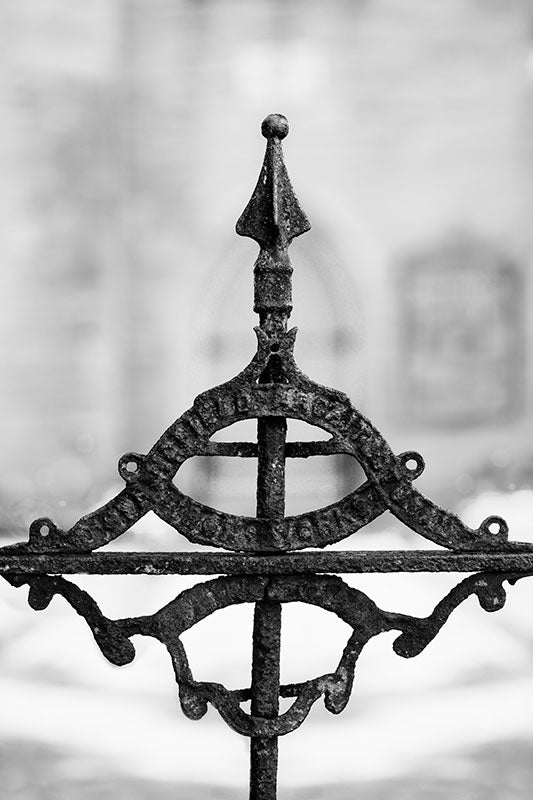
(330,593)
(150,487)
(261,570)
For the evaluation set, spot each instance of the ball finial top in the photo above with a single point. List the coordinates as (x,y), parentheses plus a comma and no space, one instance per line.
(275,126)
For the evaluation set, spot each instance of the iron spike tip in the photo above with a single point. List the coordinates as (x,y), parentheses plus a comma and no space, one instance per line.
(273,216)
(275,126)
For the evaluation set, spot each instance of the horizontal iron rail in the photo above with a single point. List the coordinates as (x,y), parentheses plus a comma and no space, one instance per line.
(291,449)
(213,563)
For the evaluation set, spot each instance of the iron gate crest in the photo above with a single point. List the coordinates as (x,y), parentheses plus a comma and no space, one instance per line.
(266,559)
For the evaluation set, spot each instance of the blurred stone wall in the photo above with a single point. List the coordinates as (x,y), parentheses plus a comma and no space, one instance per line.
(129,146)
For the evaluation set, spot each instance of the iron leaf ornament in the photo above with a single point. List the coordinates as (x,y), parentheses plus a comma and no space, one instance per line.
(268,558)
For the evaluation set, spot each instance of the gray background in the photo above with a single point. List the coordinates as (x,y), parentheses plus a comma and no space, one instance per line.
(129,145)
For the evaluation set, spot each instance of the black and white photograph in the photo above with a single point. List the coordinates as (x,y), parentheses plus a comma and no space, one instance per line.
(266,400)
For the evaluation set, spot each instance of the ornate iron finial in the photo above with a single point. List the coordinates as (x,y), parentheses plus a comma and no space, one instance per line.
(261,569)
(273,217)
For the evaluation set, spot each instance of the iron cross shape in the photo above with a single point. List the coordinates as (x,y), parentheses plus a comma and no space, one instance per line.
(268,559)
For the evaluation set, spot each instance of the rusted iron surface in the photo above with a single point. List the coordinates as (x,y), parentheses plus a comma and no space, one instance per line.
(272,277)
(388,486)
(262,569)
(325,591)
(213,563)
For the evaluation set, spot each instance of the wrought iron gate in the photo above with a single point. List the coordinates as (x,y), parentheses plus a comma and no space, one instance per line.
(270,562)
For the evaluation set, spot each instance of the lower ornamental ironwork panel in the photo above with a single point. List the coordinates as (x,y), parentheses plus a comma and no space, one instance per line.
(261,566)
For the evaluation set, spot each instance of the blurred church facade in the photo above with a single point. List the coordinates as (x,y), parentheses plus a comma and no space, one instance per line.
(130,144)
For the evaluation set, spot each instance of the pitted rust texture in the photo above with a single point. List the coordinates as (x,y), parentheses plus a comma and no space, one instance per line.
(330,593)
(214,563)
(270,389)
(273,217)
(272,291)
(388,486)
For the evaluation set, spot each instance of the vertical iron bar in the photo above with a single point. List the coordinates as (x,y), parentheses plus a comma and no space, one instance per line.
(273,218)
(265,698)
(271,436)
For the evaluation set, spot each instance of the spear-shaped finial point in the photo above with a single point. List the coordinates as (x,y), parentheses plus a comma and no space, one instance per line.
(273,217)
(275,126)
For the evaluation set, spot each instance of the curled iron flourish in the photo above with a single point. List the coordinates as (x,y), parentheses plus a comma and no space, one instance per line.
(266,559)
(327,592)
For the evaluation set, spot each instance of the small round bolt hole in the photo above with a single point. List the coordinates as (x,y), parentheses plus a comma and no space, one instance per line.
(411,464)
(44,530)
(131,466)
(494,528)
